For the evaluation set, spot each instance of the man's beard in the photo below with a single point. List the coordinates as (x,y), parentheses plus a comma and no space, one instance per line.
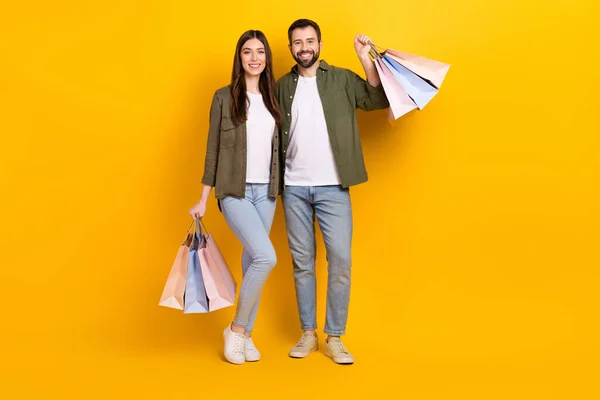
(307,63)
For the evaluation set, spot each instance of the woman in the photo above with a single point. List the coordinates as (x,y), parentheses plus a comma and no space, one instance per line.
(242,164)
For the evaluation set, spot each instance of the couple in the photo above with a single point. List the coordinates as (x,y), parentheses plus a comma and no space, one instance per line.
(298,139)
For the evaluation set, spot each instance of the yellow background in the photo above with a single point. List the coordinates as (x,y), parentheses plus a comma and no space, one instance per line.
(476,238)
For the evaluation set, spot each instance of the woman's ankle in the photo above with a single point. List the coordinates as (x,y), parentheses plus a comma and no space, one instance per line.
(238,329)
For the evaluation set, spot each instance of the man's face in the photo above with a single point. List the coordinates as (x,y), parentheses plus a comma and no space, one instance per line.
(305,46)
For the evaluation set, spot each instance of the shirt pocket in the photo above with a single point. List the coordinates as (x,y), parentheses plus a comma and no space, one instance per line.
(228,133)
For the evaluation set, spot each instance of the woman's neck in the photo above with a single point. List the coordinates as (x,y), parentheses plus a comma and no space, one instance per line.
(252,84)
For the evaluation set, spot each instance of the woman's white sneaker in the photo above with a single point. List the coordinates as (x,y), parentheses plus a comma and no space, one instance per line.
(251,353)
(234,346)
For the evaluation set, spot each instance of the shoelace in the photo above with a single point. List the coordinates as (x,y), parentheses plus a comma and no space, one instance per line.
(338,346)
(304,338)
(238,343)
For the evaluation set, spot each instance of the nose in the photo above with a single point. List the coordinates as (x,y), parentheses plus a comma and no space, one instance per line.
(254,57)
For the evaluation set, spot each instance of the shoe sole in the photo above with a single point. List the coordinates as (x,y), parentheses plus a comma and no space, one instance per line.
(252,359)
(298,354)
(235,362)
(347,361)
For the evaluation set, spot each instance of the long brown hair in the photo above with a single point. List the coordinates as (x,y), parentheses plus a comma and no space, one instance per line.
(266,82)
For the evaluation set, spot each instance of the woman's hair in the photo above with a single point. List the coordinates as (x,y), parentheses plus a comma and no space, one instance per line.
(266,84)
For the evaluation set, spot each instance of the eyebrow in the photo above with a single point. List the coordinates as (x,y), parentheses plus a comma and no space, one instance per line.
(248,48)
(308,38)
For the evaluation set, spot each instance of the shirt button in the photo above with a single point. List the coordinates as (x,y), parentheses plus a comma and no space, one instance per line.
(288,114)
(285,133)
(291,97)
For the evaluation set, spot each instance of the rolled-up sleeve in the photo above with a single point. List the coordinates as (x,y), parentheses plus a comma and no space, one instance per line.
(212,145)
(369,97)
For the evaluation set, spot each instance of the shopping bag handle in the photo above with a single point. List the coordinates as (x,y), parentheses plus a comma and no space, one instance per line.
(197,223)
(376,51)
(189,236)
(202,234)
(200,224)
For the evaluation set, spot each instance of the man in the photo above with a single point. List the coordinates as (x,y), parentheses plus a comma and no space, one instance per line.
(323,158)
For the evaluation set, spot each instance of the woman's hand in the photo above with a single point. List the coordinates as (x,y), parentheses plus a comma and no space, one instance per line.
(198,210)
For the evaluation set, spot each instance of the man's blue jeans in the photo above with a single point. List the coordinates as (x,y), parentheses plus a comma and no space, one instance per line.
(332,208)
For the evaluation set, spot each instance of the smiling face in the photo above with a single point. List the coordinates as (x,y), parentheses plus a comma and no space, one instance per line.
(305,46)
(253,56)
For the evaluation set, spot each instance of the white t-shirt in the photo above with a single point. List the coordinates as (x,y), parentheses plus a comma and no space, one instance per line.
(260,127)
(309,160)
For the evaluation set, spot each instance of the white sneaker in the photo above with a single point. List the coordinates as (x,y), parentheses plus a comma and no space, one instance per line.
(308,343)
(335,349)
(251,353)
(234,346)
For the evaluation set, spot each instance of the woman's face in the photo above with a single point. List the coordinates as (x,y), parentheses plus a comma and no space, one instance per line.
(254,57)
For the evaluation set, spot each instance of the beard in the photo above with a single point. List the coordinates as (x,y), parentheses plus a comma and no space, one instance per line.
(307,63)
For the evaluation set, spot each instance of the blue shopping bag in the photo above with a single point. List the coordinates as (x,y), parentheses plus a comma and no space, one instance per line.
(418,89)
(195,299)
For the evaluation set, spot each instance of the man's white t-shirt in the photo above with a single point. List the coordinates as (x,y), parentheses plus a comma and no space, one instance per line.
(309,160)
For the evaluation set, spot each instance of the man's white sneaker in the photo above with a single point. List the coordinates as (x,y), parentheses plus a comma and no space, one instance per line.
(251,353)
(234,346)
(307,344)
(335,349)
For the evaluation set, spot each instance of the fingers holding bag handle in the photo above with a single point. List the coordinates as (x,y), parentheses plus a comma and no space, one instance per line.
(364,39)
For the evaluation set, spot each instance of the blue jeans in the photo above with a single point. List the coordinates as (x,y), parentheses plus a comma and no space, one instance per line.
(332,208)
(250,219)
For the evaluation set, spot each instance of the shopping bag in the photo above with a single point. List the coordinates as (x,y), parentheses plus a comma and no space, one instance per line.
(219,283)
(419,90)
(195,299)
(173,292)
(418,77)
(431,70)
(400,102)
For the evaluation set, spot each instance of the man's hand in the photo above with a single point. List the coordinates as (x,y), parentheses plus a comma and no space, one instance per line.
(362,46)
